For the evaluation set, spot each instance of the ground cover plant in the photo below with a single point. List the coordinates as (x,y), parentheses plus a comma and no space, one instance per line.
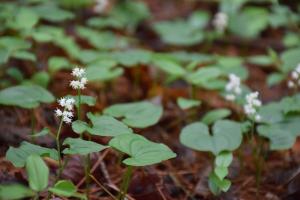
(140,99)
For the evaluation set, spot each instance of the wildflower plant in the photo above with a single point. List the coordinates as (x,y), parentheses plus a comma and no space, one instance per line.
(251,106)
(294,82)
(233,87)
(220,21)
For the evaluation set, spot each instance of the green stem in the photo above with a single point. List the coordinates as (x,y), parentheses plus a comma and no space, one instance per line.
(32,125)
(125,183)
(58,146)
(87,168)
(79,104)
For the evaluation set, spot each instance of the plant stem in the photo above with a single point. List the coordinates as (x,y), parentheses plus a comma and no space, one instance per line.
(58,146)
(87,168)
(125,183)
(79,105)
(102,186)
(32,125)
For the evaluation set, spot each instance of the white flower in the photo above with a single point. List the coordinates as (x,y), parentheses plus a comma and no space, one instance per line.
(78,72)
(252,103)
(66,114)
(220,21)
(295,78)
(81,80)
(291,84)
(58,112)
(233,87)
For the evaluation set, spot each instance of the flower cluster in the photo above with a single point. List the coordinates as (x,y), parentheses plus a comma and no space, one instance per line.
(66,113)
(295,75)
(220,21)
(233,87)
(252,103)
(81,81)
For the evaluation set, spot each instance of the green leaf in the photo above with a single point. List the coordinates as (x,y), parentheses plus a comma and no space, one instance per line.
(15,73)
(216,185)
(43,132)
(215,115)
(107,126)
(290,59)
(290,104)
(261,60)
(137,114)
(56,63)
(52,13)
(25,96)
(19,155)
(65,188)
(41,78)
(24,55)
(79,126)
(224,159)
(184,103)
(221,172)
(81,147)
(226,136)
(38,173)
(275,78)
(280,139)
(13,44)
(249,22)
(271,113)
(103,73)
(15,191)
(26,19)
(142,152)
(169,66)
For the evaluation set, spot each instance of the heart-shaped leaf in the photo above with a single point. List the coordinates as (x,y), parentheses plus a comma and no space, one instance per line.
(38,173)
(82,147)
(137,114)
(216,185)
(107,126)
(79,126)
(19,155)
(25,96)
(142,152)
(226,136)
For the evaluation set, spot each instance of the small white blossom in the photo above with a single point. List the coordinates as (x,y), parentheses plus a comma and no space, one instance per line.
(78,72)
(66,114)
(295,78)
(220,21)
(252,103)
(233,87)
(81,80)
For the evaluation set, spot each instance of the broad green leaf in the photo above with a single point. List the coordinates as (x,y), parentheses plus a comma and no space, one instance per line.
(224,159)
(137,114)
(65,188)
(216,185)
(249,22)
(81,147)
(215,115)
(232,65)
(280,139)
(38,172)
(56,63)
(226,136)
(15,73)
(290,59)
(107,126)
(271,113)
(24,55)
(79,126)
(41,79)
(103,73)
(19,155)
(26,19)
(261,60)
(52,13)
(25,96)
(169,66)
(221,172)
(142,152)
(14,43)
(290,104)
(275,78)
(15,191)
(184,103)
